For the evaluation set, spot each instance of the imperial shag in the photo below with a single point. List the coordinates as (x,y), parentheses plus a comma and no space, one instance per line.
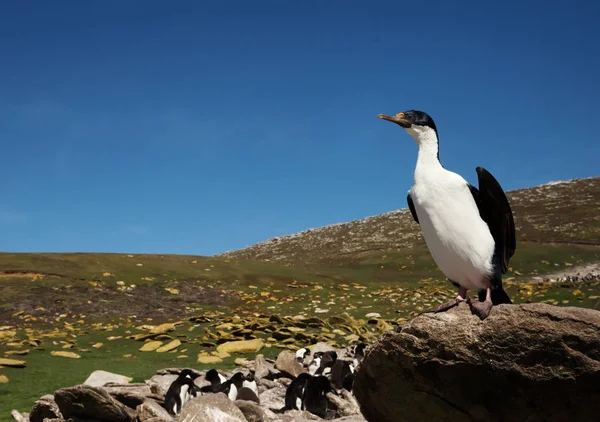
(470,232)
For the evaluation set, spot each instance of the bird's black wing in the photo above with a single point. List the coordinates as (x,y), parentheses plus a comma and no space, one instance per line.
(495,210)
(412,208)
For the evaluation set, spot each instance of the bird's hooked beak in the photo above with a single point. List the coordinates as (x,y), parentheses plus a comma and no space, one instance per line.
(399,119)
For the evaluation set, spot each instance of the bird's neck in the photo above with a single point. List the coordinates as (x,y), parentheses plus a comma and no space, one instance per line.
(428,162)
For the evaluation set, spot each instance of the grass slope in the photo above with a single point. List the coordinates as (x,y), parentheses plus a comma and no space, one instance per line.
(565,212)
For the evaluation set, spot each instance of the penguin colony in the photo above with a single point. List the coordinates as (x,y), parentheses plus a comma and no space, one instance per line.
(326,374)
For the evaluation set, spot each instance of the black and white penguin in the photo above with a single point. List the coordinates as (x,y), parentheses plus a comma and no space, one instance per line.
(470,232)
(181,391)
(215,380)
(233,385)
(295,392)
(327,361)
(315,363)
(248,394)
(302,354)
(342,374)
(250,382)
(314,399)
(358,353)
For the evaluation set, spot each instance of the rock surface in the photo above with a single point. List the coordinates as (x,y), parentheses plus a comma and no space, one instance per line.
(530,362)
(211,408)
(150,410)
(44,408)
(95,403)
(286,362)
(100,378)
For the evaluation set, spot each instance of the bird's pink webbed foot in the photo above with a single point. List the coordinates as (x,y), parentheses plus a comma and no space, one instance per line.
(461,297)
(482,309)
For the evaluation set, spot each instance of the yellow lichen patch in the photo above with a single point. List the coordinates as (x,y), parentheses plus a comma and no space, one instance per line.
(169,346)
(151,346)
(107,274)
(7,334)
(209,359)
(12,363)
(3,379)
(70,355)
(16,352)
(164,328)
(172,290)
(98,345)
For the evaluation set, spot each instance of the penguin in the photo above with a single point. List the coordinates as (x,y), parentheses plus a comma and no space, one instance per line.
(295,392)
(181,391)
(315,399)
(246,393)
(215,380)
(250,382)
(301,355)
(358,352)
(232,385)
(469,232)
(342,374)
(315,364)
(327,361)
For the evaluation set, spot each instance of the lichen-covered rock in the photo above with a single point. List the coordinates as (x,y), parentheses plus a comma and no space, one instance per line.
(529,362)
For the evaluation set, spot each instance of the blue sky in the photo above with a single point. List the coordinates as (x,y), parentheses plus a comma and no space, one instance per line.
(199,127)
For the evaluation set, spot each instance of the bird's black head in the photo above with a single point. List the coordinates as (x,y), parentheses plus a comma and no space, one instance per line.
(212,376)
(411,117)
(237,379)
(359,349)
(188,373)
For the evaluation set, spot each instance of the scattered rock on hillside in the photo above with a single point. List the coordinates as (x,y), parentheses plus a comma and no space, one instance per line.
(530,362)
(100,378)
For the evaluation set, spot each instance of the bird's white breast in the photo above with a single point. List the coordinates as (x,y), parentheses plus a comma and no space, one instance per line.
(458,239)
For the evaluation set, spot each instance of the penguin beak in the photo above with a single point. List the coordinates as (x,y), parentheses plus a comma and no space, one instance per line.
(398,119)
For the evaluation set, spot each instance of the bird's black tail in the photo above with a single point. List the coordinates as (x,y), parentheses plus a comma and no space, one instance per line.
(498,296)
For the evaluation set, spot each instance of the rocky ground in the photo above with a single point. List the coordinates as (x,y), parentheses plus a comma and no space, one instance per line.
(110,397)
(527,362)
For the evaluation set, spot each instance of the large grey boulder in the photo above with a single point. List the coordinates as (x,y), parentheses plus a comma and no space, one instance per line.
(44,408)
(211,408)
(286,362)
(530,362)
(91,403)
